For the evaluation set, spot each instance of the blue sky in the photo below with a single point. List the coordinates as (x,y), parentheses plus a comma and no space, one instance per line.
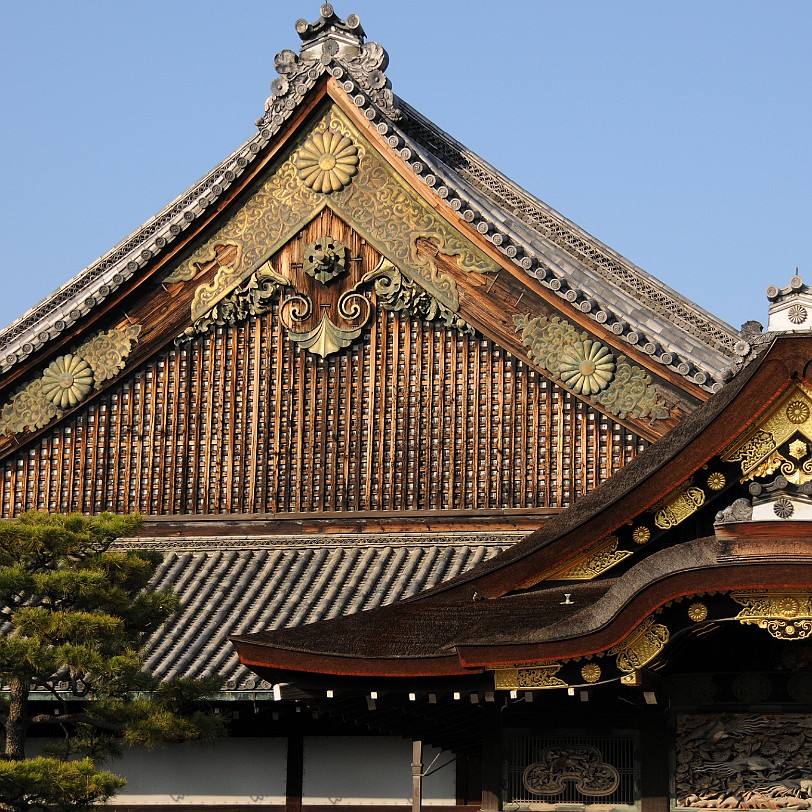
(676,132)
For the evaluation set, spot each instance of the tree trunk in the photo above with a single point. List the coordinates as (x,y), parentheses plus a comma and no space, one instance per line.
(17,722)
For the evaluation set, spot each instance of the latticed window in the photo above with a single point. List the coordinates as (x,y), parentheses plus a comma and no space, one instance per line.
(565,770)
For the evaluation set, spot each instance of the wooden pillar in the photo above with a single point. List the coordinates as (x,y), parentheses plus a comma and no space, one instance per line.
(654,760)
(491,758)
(294,781)
(417,775)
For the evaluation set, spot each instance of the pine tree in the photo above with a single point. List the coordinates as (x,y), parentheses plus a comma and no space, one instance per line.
(74,615)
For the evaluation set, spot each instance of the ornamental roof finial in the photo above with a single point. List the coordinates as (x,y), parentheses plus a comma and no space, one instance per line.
(330,35)
(337,47)
(790,307)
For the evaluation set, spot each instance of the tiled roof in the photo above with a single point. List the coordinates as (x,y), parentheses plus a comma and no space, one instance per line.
(587,275)
(230,586)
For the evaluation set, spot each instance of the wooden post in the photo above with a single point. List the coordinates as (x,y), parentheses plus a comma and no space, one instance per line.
(294,783)
(491,758)
(417,775)
(654,770)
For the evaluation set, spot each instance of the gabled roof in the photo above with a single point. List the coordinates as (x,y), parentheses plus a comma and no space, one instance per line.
(584,277)
(700,515)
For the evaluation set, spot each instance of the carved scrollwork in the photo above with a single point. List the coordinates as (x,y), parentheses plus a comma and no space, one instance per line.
(784,615)
(528,678)
(252,298)
(679,507)
(326,337)
(387,212)
(398,292)
(641,646)
(597,561)
(779,441)
(580,764)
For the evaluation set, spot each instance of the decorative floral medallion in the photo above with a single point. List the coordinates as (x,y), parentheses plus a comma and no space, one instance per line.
(716,481)
(697,612)
(66,381)
(591,672)
(783,508)
(797,314)
(798,449)
(327,162)
(587,366)
(324,259)
(797,412)
(641,534)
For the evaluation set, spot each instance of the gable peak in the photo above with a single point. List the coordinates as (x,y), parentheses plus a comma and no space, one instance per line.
(337,47)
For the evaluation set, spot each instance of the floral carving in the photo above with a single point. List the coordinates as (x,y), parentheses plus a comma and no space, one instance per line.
(797,412)
(738,761)
(327,162)
(679,507)
(785,615)
(28,409)
(591,672)
(68,380)
(581,764)
(642,646)
(587,367)
(697,612)
(716,481)
(622,390)
(641,534)
(324,259)
(597,561)
(797,314)
(537,676)
(783,508)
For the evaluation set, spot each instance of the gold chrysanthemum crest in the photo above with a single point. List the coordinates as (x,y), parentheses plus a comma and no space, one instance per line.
(591,672)
(67,381)
(327,162)
(587,367)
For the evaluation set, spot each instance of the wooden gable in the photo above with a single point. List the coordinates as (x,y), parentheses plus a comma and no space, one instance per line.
(327,330)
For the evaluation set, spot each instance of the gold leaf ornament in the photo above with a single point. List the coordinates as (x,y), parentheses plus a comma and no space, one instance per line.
(67,381)
(327,162)
(587,366)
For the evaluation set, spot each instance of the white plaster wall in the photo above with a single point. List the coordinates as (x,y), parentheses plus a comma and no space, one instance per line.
(373,771)
(229,771)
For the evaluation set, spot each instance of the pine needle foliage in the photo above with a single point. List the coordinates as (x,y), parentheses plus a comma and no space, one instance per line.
(74,616)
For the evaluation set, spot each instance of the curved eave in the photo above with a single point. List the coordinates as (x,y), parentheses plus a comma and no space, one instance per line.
(279,660)
(594,630)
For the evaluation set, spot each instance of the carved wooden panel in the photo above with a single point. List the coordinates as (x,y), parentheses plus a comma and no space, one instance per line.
(413,415)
